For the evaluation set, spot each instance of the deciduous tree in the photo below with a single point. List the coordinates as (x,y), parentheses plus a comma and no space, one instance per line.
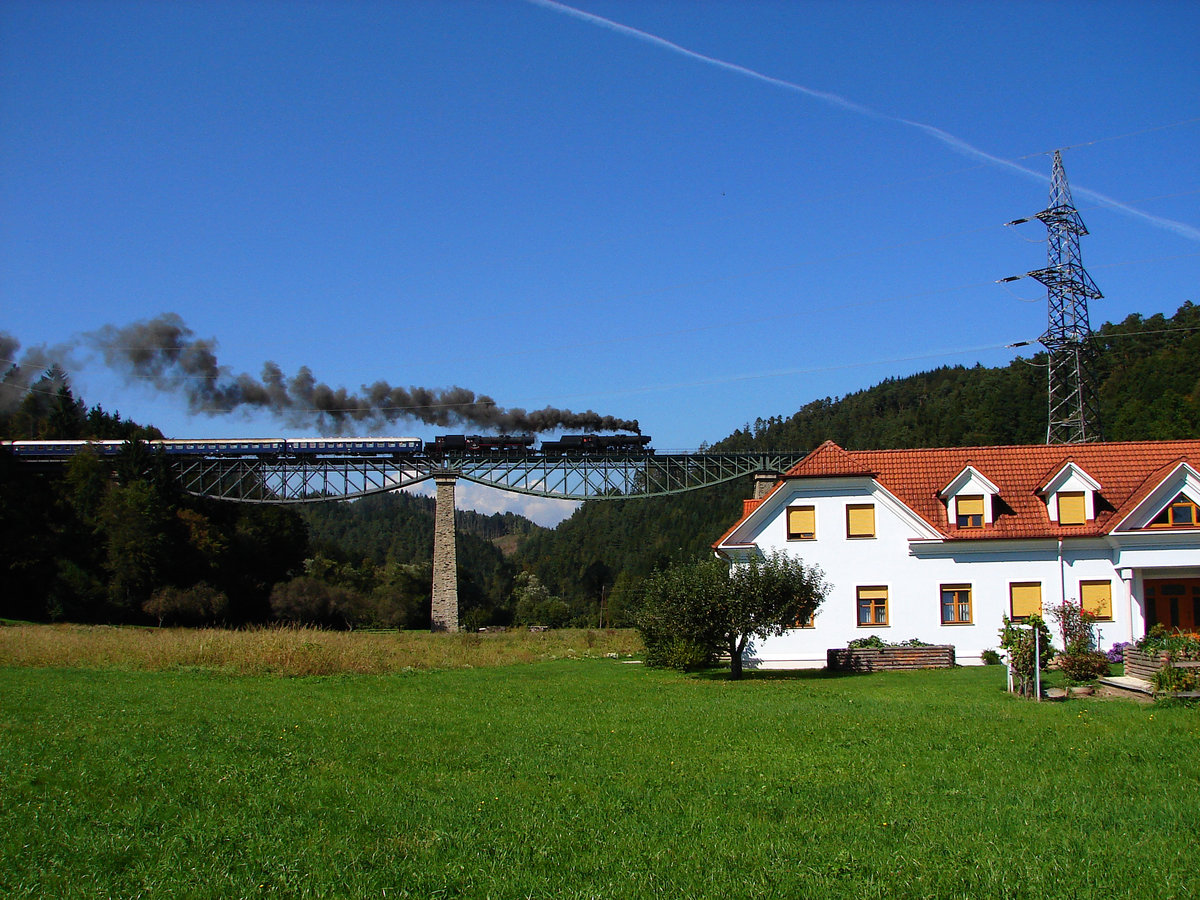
(712,606)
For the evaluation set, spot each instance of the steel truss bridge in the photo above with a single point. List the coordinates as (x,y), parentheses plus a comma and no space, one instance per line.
(283,477)
(607,476)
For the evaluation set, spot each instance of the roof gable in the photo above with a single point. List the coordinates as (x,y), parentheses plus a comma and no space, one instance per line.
(1163,487)
(970,480)
(1069,477)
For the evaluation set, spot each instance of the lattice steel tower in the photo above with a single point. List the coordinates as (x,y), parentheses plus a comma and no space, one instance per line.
(1074,410)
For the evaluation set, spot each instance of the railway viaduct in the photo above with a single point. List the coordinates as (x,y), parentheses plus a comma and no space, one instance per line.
(344,473)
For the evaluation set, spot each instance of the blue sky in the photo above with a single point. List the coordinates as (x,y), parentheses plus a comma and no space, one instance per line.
(690,214)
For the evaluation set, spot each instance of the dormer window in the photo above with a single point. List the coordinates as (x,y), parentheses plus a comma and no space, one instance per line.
(968,500)
(1071,496)
(1179,513)
(969,511)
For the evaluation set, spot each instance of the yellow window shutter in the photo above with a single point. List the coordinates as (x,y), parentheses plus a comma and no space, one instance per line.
(802,521)
(970,506)
(1026,600)
(1071,508)
(860,521)
(1096,598)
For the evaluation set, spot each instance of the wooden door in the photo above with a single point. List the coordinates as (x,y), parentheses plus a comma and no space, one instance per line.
(1173,602)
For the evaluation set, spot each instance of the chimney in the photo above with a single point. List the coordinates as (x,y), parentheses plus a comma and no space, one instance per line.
(763,482)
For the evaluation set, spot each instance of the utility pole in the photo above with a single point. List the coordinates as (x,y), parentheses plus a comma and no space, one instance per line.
(1074,412)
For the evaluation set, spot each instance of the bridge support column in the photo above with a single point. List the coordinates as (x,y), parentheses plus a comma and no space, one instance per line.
(445,557)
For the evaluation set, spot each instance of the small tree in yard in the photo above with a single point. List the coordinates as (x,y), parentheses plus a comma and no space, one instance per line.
(1080,660)
(691,612)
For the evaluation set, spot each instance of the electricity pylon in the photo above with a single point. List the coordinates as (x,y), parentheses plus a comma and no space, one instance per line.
(1074,413)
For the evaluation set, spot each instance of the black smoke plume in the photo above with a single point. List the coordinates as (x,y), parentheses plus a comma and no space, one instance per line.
(164,351)
(38,368)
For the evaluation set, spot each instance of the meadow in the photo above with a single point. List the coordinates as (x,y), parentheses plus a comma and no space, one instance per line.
(585,777)
(298,650)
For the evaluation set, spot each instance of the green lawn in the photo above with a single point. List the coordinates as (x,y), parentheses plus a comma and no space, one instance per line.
(587,779)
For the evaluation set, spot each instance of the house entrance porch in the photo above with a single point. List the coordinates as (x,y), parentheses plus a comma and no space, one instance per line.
(1172,603)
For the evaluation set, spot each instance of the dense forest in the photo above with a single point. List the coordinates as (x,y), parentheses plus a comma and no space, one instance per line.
(126,546)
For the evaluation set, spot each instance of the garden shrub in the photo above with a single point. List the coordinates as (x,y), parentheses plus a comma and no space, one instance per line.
(990,658)
(1080,661)
(875,642)
(1170,680)
(872,642)
(1084,666)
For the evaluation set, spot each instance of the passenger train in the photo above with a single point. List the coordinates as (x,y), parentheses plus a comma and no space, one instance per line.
(334,447)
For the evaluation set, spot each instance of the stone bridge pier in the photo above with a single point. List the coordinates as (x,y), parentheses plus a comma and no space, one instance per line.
(445,556)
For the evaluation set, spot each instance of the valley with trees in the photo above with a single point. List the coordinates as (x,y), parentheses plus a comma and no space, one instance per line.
(309,761)
(129,547)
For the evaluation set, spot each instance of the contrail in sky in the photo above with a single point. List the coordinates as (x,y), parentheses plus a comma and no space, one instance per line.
(955,143)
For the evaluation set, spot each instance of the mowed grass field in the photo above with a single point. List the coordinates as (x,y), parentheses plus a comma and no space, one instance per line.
(586,778)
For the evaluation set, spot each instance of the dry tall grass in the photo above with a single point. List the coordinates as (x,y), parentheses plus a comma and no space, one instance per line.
(295,651)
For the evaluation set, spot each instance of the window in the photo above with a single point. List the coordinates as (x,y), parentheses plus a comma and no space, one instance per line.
(801,523)
(1025,600)
(810,622)
(1179,513)
(1071,508)
(860,520)
(969,511)
(956,604)
(1096,598)
(872,606)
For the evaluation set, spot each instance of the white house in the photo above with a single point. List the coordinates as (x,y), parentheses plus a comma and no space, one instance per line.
(939,544)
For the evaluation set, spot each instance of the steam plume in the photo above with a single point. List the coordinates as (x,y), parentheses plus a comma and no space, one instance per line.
(167,353)
(20,374)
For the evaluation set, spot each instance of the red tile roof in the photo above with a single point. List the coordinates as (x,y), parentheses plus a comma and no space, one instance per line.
(1127,473)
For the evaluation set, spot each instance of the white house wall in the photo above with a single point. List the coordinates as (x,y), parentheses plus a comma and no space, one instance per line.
(903,557)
